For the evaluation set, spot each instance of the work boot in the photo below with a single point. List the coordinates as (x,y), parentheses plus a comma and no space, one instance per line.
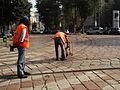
(62,59)
(27,73)
(22,76)
(57,59)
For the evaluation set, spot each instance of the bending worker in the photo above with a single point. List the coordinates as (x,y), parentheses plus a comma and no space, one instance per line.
(21,41)
(60,39)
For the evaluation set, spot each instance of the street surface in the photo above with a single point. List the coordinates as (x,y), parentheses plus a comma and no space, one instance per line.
(95,65)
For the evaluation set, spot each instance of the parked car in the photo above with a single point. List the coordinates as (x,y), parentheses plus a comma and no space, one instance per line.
(114,31)
(95,30)
(41,31)
(37,31)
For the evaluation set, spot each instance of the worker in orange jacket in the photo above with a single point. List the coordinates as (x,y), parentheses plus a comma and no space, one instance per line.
(60,39)
(21,41)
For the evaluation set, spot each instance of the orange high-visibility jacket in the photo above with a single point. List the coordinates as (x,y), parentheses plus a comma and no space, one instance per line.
(61,35)
(17,35)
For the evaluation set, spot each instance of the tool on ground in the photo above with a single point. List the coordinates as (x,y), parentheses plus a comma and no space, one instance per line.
(68,49)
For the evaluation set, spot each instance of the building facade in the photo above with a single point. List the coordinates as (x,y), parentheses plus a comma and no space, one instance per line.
(34,19)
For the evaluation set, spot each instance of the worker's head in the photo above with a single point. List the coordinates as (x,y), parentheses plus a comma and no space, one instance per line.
(25,20)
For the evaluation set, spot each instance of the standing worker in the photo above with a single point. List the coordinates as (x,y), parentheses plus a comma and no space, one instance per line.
(60,39)
(21,41)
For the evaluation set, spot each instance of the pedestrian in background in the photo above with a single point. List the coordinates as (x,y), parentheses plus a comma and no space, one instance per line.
(21,41)
(60,39)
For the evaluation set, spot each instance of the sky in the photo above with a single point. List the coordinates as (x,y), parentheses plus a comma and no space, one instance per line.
(33,5)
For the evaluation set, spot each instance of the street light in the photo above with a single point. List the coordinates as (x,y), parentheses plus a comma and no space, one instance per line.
(3,27)
(95,22)
(61,6)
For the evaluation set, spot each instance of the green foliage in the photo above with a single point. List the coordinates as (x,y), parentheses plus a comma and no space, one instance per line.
(107,11)
(49,12)
(116,5)
(106,14)
(12,10)
(74,12)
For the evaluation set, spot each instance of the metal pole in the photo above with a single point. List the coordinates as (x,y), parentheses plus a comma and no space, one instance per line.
(99,14)
(75,9)
(95,23)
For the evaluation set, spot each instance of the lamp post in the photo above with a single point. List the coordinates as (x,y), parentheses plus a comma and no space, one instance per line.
(95,21)
(99,14)
(61,6)
(3,23)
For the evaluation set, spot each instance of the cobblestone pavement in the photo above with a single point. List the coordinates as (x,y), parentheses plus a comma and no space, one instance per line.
(95,65)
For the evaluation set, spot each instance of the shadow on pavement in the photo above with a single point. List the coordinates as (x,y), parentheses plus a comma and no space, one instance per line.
(31,62)
(86,70)
(41,61)
(9,77)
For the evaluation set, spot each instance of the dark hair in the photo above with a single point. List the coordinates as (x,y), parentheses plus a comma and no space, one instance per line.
(25,21)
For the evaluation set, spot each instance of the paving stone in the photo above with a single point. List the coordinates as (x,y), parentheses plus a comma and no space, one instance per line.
(79,87)
(91,86)
(108,72)
(108,88)
(37,83)
(13,87)
(37,77)
(116,86)
(26,84)
(62,84)
(101,84)
(84,67)
(112,82)
(3,87)
(27,88)
(52,86)
(68,75)
(26,79)
(14,81)
(56,70)
(4,82)
(59,76)
(62,67)
(78,73)
(91,75)
(115,76)
(83,78)
(103,75)
(47,71)
(70,88)
(50,79)
(40,87)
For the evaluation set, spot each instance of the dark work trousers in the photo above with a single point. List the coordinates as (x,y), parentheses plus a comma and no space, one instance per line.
(21,60)
(59,42)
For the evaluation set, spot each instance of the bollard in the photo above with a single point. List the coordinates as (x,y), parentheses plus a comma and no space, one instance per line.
(5,39)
